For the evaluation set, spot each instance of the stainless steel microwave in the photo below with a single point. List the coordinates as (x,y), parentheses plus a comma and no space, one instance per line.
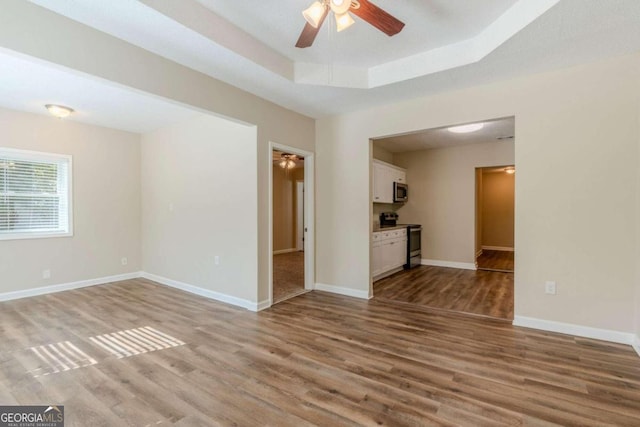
(400,192)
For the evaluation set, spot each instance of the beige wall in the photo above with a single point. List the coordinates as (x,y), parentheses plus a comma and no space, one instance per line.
(577,157)
(498,209)
(61,40)
(198,202)
(106,204)
(284,207)
(638,248)
(382,154)
(443,195)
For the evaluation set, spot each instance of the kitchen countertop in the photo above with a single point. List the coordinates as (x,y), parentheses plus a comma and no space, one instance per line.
(388,228)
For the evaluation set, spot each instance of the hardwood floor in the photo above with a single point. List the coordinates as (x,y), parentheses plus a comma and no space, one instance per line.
(484,293)
(317,359)
(496,261)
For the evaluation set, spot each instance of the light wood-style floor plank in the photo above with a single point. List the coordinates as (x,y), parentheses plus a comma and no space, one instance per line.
(317,359)
(492,260)
(483,293)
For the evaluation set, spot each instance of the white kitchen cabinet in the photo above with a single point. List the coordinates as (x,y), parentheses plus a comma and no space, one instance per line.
(384,175)
(389,251)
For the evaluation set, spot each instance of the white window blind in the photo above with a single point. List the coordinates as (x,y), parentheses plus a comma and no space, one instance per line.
(35,194)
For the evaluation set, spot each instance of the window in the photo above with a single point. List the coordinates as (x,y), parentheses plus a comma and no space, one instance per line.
(35,195)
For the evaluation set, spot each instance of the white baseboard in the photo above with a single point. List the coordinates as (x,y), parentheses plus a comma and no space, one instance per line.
(449,264)
(263,305)
(636,344)
(218,296)
(342,291)
(498,248)
(577,330)
(8,296)
(478,253)
(285,251)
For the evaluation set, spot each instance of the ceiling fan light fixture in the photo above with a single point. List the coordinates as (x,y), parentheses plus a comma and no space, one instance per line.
(344,21)
(288,161)
(473,127)
(340,7)
(314,14)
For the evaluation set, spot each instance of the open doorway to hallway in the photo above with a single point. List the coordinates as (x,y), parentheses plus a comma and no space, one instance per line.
(438,167)
(495,218)
(288,225)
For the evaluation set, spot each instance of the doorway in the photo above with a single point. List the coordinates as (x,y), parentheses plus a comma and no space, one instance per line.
(291,219)
(440,165)
(495,218)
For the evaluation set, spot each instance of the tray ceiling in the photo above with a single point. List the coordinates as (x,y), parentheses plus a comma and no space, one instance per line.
(446,45)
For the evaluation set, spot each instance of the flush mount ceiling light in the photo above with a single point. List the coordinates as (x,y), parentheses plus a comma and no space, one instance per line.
(319,10)
(59,111)
(510,170)
(473,127)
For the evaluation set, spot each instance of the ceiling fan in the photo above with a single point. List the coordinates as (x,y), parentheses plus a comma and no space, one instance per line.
(318,11)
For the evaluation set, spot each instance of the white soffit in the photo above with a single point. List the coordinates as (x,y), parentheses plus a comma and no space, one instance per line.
(204,18)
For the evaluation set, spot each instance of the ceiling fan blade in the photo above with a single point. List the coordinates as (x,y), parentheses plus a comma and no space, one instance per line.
(309,33)
(378,18)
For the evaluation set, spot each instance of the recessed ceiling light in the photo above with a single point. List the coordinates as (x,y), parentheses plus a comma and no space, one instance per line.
(59,111)
(466,128)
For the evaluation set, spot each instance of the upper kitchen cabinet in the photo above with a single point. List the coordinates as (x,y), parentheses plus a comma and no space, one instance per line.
(384,175)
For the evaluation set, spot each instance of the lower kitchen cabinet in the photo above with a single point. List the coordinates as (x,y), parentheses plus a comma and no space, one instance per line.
(389,251)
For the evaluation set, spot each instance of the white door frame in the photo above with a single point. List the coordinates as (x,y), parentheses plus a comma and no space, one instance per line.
(309,209)
(300,217)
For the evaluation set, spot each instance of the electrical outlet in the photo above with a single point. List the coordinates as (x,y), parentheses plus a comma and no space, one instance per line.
(124,261)
(216,260)
(46,274)
(550,288)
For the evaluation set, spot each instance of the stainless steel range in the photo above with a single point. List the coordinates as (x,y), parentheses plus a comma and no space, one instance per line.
(414,238)
(414,245)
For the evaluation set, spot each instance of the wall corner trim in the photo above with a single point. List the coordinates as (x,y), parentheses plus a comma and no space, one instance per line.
(239,302)
(577,330)
(263,305)
(8,296)
(449,264)
(349,292)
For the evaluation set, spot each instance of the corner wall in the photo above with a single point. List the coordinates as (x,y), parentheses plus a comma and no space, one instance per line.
(59,39)
(577,157)
(199,202)
(443,196)
(106,205)
(498,206)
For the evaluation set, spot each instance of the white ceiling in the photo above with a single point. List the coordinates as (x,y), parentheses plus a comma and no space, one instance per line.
(27,85)
(441,137)
(571,32)
(429,25)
